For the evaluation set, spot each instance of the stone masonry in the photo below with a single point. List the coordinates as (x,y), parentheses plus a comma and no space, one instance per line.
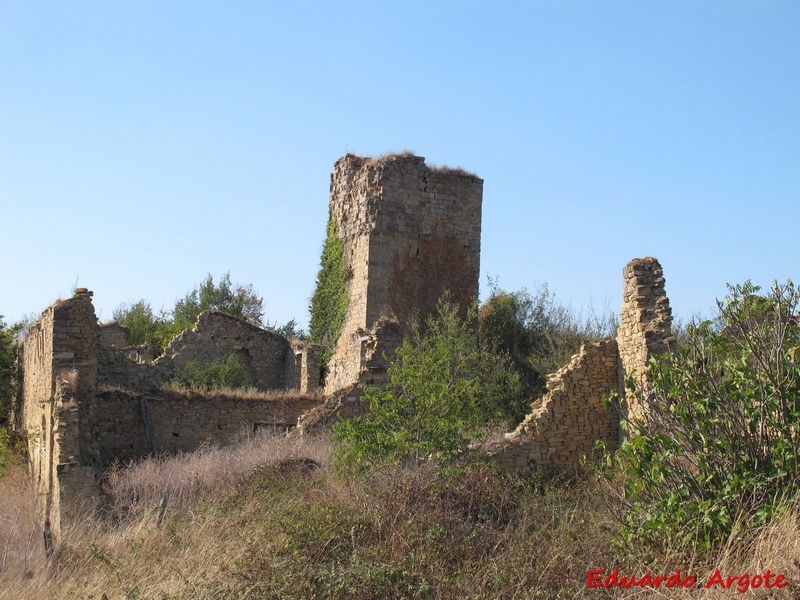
(567,421)
(271,361)
(645,327)
(88,398)
(410,232)
(59,372)
(391,211)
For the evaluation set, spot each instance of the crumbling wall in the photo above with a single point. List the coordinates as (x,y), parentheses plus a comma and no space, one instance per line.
(270,360)
(114,334)
(57,360)
(645,327)
(181,422)
(76,431)
(377,350)
(409,232)
(567,421)
(305,370)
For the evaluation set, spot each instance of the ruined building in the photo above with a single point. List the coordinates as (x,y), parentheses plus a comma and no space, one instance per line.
(88,398)
(410,232)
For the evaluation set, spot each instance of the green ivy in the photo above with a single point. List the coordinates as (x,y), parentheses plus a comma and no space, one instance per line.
(329,303)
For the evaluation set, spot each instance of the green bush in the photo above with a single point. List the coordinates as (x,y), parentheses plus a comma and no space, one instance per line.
(237,300)
(145,326)
(719,449)
(8,368)
(539,333)
(158,329)
(229,373)
(444,388)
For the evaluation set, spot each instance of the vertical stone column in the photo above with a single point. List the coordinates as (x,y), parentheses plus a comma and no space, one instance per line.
(59,378)
(645,328)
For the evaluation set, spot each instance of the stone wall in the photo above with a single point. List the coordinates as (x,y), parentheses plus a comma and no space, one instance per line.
(567,421)
(77,425)
(409,232)
(59,369)
(270,360)
(645,326)
(306,366)
(181,422)
(114,334)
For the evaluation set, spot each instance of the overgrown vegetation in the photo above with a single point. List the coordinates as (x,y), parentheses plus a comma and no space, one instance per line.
(11,449)
(222,374)
(328,306)
(145,326)
(8,369)
(236,299)
(718,455)
(710,483)
(267,518)
(538,332)
(446,385)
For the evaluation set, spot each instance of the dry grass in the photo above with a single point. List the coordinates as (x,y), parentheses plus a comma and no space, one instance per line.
(184,479)
(21,546)
(129,555)
(370,161)
(452,170)
(175,391)
(250,521)
(375,160)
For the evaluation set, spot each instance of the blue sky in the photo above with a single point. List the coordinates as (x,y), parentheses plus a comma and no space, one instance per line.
(146,144)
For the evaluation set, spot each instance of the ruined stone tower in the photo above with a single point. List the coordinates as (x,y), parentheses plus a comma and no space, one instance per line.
(645,326)
(410,232)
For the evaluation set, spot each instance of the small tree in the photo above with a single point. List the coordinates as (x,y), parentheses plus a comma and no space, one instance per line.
(445,387)
(328,306)
(144,325)
(721,442)
(237,300)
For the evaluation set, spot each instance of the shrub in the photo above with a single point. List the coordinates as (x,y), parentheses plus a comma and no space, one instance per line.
(8,368)
(237,300)
(721,443)
(228,373)
(539,333)
(10,449)
(145,326)
(444,387)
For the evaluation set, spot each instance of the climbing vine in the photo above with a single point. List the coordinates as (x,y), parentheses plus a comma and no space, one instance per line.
(329,303)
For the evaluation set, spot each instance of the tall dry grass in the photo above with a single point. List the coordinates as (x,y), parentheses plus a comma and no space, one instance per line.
(252,521)
(124,551)
(179,481)
(21,541)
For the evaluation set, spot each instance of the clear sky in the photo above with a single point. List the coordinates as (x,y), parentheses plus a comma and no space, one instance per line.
(146,144)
